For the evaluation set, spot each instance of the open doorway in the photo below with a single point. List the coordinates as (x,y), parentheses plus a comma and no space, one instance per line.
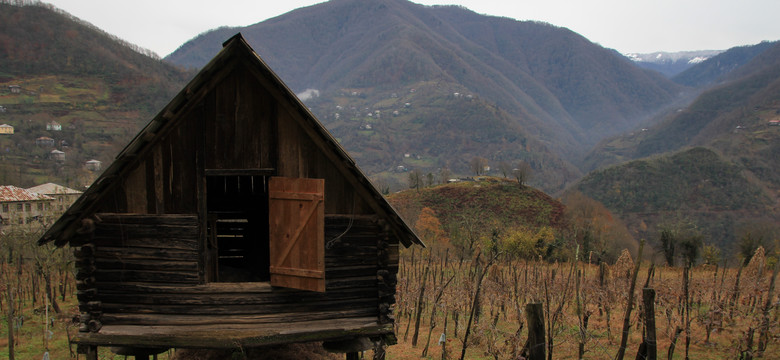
(237,233)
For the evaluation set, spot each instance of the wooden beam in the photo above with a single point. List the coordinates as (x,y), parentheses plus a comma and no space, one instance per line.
(241,172)
(231,336)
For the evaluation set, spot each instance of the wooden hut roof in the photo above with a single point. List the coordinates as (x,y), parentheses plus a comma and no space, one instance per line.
(235,49)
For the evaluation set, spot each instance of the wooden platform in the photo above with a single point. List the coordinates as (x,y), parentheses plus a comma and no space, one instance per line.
(234,336)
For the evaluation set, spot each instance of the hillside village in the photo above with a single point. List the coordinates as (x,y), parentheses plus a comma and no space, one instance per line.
(61,132)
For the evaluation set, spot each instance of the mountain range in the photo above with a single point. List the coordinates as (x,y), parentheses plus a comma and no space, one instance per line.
(560,93)
(714,162)
(406,87)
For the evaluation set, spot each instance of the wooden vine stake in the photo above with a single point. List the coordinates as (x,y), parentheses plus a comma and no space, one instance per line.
(474,303)
(763,337)
(627,318)
(648,349)
(535,346)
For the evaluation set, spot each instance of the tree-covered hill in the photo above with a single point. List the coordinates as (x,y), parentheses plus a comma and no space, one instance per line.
(696,185)
(487,200)
(97,89)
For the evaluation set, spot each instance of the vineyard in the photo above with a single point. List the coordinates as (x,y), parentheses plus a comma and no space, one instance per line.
(484,306)
(453,308)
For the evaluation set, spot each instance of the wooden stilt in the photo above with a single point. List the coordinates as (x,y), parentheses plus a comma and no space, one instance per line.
(92,353)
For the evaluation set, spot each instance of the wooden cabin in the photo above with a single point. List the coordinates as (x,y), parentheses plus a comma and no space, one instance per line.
(233,220)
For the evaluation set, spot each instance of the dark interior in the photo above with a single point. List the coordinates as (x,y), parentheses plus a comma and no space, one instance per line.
(238,228)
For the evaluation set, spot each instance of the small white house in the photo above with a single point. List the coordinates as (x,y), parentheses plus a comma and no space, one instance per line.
(53,126)
(57,155)
(93,165)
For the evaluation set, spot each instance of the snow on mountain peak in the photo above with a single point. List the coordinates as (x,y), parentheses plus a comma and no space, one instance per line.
(697,60)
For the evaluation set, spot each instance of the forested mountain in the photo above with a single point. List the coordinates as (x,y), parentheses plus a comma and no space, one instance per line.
(696,186)
(715,162)
(550,83)
(98,90)
(721,117)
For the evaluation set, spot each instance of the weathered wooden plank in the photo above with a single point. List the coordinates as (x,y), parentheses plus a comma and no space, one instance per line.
(184,151)
(333,262)
(153,265)
(343,250)
(350,271)
(145,230)
(247,289)
(190,244)
(205,110)
(134,190)
(160,319)
(231,336)
(172,298)
(135,253)
(366,304)
(241,172)
(104,275)
(159,181)
(146,219)
(151,202)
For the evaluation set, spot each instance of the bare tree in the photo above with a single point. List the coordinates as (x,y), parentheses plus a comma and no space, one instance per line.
(477,165)
(522,172)
(504,168)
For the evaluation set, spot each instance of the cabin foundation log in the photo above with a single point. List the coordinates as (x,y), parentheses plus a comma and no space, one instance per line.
(234,336)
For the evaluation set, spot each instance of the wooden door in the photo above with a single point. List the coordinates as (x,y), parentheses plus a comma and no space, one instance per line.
(297,233)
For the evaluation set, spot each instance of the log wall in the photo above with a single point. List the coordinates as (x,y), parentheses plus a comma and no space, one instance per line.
(143,270)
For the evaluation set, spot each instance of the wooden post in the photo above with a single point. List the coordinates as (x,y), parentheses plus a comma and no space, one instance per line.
(648,299)
(535,344)
(629,305)
(92,353)
(763,332)
(418,311)
(602,274)
(10,321)
(687,308)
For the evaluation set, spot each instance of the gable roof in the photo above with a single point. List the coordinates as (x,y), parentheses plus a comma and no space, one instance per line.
(235,48)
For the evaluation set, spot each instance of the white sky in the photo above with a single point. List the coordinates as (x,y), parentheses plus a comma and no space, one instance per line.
(625,25)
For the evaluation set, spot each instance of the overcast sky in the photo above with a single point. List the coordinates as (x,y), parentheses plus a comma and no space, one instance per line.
(625,25)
